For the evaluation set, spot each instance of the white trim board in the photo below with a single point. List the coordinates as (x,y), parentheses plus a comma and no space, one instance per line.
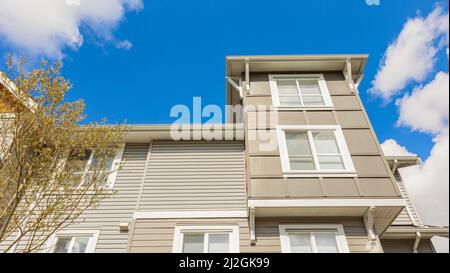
(327,203)
(188,214)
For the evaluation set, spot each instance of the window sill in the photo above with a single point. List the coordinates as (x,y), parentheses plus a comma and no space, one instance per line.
(294,174)
(309,108)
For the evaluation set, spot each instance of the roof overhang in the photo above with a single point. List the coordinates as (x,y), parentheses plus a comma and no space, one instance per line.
(11,87)
(410,232)
(146,133)
(397,162)
(235,65)
(386,210)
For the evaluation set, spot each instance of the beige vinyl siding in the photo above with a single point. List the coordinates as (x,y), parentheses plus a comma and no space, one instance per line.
(156,235)
(194,176)
(265,175)
(405,218)
(117,208)
(406,246)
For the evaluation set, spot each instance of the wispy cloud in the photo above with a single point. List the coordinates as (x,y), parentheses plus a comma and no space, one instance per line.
(412,56)
(47,27)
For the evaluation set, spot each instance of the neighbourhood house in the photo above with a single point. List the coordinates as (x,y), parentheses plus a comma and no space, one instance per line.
(296,168)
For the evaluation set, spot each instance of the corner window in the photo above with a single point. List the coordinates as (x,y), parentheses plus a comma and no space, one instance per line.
(313,239)
(300,91)
(314,149)
(198,239)
(74,242)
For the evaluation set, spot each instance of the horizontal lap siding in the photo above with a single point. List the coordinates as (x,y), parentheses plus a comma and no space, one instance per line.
(406,246)
(156,235)
(120,207)
(404,219)
(194,176)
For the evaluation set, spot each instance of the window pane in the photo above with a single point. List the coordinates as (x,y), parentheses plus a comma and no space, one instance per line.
(313,100)
(289,100)
(309,87)
(288,93)
(301,163)
(219,243)
(287,87)
(108,164)
(80,245)
(331,162)
(326,242)
(300,242)
(325,143)
(193,243)
(297,143)
(62,245)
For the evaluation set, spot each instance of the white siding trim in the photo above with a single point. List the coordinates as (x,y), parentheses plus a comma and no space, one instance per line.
(115,167)
(188,214)
(340,237)
(177,246)
(328,203)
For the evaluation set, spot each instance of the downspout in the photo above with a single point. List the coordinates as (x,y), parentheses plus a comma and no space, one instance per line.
(247,76)
(252,226)
(417,242)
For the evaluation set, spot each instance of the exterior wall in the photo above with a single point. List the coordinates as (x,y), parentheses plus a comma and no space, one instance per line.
(194,176)
(406,246)
(156,235)
(265,177)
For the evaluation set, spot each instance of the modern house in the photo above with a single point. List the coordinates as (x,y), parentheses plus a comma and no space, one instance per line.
(297,167)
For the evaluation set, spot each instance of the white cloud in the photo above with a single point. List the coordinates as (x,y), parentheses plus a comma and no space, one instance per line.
(46,27)
(427,108)
(125,44)
(392,148)
(412,56)
(428,185)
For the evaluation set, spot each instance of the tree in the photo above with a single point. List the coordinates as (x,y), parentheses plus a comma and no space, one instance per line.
(45,184)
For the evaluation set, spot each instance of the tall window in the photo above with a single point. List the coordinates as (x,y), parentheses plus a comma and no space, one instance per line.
(313,239)
(206,240)
(305,91)
(312,149)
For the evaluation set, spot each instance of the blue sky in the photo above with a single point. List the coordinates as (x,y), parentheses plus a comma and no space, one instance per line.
(179,50)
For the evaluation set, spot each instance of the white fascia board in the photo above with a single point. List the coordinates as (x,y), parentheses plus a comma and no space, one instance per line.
(188,214)
(327,203)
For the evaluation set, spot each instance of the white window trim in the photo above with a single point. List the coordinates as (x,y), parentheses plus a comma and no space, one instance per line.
(112,174)
(322,84)
(340,237)
(180,230)
(342,144)
(92,244)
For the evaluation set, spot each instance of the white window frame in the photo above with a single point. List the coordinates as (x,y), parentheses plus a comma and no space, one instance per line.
(181,230)
(92,234)
(341,240)
(328,103)
(112,174)
(349,169)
